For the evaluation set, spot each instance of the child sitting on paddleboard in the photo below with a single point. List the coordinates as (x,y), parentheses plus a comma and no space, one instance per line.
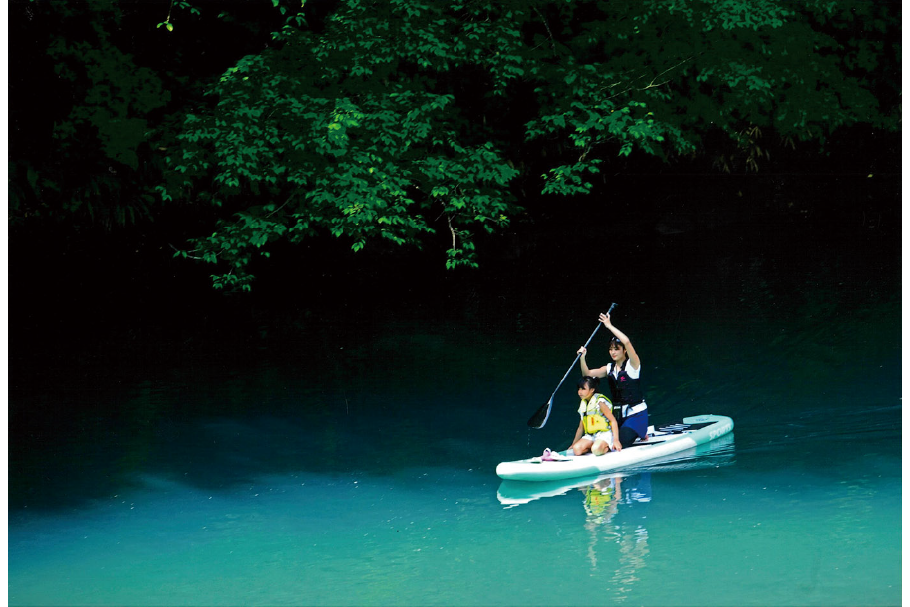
(596,428)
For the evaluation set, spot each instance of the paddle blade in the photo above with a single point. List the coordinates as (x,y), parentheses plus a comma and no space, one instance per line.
(541,416)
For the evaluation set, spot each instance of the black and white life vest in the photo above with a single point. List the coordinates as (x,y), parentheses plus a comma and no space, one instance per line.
(628,397)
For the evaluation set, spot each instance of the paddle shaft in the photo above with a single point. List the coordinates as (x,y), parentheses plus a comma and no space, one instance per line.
(540,417)
(579,354)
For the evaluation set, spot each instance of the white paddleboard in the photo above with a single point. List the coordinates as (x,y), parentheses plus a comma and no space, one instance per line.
(713,454)
(663,440)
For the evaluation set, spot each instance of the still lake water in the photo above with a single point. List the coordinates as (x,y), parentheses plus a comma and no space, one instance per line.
(351,461)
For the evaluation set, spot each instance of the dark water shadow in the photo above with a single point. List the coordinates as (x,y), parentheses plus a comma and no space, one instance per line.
(728,324)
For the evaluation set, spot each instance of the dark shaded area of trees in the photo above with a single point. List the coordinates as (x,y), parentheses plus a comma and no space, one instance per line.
(111,172)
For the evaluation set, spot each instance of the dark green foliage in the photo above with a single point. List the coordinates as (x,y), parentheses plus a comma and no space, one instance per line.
(355,132)
(364,128)
(413,123)
(99,103)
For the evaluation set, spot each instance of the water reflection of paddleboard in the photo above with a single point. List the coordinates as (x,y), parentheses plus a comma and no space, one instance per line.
(712,454)
(663,440)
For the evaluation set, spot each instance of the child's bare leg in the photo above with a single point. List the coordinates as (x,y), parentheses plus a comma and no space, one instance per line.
(600,447)
(582,446)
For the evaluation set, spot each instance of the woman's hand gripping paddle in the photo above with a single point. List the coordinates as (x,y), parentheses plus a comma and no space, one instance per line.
(539,419)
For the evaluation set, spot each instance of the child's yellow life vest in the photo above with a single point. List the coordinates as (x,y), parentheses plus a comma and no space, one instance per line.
(595,423)
(593,420)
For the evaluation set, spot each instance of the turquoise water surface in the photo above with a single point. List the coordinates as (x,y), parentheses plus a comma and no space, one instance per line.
(353,464)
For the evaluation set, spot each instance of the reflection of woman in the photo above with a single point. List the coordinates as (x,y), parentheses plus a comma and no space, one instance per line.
(623,374)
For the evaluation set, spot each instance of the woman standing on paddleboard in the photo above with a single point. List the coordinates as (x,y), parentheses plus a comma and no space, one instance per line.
(623,374)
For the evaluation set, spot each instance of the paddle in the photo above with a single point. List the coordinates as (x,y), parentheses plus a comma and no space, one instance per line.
(539,419)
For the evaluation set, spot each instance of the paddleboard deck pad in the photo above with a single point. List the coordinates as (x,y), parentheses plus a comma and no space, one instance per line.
(662,440)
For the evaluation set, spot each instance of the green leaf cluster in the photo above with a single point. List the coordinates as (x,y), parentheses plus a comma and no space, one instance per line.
(400,121)
(347,131)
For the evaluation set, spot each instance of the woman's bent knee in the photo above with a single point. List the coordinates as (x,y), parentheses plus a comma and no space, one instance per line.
(627,436)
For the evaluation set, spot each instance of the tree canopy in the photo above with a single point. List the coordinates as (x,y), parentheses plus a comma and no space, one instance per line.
(411,123)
